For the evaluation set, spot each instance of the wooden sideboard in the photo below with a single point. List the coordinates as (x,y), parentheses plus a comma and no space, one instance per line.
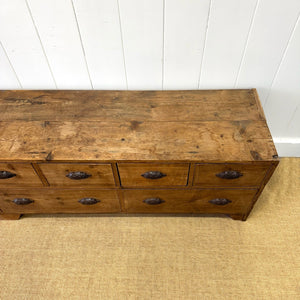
(200,151)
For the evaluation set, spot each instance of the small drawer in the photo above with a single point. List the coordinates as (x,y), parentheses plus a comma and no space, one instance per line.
(18,174)
(78,174)
(153,174)
(230,175)
(59,201)
(223,201)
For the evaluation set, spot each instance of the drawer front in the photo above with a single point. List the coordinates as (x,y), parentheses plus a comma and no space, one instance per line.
(78,174)
(18,174)
(189,201)
(230,175)
(59,201)
(153,174)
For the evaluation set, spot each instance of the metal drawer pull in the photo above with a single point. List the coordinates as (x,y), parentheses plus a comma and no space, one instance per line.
(153,201)
(78,175)
(219,201)
(22,201)
(88,201)
(153,175)
(229,174)
(6,175)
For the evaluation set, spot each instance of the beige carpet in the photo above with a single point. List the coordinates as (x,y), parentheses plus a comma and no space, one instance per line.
(102,257)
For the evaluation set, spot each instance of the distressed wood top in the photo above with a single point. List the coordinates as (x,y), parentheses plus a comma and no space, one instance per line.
(199,125)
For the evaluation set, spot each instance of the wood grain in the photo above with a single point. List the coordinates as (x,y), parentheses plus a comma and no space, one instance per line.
(188,201)
(137,141)
(49,200)
(131,174)
(100,174)
(112,106)
(252,174)
(25,175)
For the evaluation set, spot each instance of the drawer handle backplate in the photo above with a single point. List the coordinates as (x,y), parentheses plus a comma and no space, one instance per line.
(219,201)
(22,201)
(88,201)
(6,175)
(229,174)
(153,201)
(78,175)
(153,175)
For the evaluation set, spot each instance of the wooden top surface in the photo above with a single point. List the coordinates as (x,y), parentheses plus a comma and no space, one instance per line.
(199,125)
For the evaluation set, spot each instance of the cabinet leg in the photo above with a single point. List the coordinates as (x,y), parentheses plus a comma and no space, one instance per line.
(238,217)
(9,216)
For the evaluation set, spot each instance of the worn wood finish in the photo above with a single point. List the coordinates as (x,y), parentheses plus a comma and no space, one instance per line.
(25,175)
(10,216)
(148,141)
(172,174)
(48,200)
(114,126)
(188,201)
(133,152)
(111,106)
(251,174)
(98,174)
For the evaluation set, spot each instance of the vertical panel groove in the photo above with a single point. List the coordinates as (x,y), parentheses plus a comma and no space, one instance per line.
(291,120)
(282,59)
(246,43)
(121,34)
(11,65)
(82,47)
(42,46)
(163,45)
(204,44)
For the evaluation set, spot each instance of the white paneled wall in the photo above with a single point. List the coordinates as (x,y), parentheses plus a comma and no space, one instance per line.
(159,44)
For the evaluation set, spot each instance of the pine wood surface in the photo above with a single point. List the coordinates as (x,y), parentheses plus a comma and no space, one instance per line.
(189,201)
(175,174)
(220,125)
(99,174)
(113,138)
(59,201)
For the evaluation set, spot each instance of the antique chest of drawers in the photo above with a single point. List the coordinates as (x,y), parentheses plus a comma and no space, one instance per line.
(198,152)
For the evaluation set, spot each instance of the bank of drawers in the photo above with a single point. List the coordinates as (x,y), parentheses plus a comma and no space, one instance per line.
(133,187)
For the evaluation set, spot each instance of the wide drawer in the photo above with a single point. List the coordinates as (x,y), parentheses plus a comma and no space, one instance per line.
(78,174)
(227,201)
(153,174)
(59,201)
(230,175)
(18,174)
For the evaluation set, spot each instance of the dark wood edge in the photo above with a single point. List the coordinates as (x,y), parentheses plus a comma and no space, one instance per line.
(4,216)
(264,183)
(131,214)
(137,188)
(258,103)
(40,174)
(35,161)
(121,200)
(191,175)
(116,174)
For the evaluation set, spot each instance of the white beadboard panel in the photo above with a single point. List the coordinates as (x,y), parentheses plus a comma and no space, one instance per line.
(142,31)
(8,77)
(285,92)
(272,27)
(185,29)
(22,45)
(56,24)
(100,31)
(293,128)
(228,28)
